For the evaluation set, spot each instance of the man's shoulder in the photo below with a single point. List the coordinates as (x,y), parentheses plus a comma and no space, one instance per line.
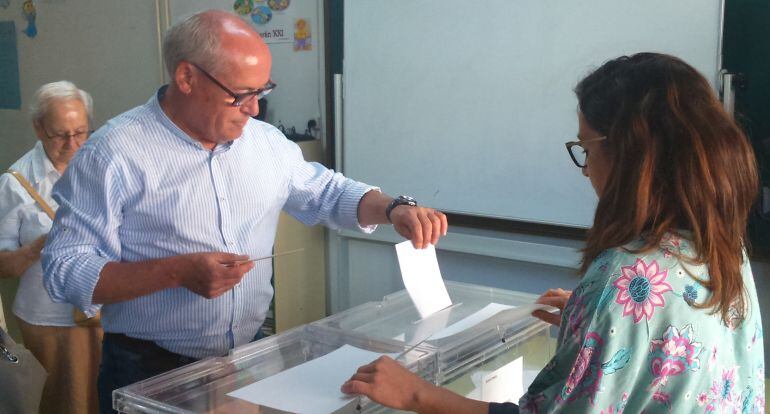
(265,136)
(124,130)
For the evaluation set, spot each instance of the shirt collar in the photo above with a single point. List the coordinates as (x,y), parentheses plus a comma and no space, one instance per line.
(154,103)
(42,167)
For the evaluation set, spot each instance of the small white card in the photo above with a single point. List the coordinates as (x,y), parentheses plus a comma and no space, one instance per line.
(501,385)
(422,278)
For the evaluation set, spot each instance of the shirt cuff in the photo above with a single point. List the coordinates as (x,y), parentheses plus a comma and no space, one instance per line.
(83,290)
(348,206)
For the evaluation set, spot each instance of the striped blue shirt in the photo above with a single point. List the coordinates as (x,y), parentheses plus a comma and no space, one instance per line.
(141,189)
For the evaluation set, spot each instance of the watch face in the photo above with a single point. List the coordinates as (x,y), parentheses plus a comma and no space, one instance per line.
(408,199)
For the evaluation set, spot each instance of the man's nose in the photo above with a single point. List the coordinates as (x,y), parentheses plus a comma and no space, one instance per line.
(251,107)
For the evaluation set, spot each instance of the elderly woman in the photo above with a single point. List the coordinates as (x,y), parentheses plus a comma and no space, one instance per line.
(70,353)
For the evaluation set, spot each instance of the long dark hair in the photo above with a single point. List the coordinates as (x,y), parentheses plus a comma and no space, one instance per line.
(678,161)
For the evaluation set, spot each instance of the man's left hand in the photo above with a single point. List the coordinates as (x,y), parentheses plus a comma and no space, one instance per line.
(421,225)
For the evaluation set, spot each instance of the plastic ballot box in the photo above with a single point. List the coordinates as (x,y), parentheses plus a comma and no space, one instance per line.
(487,344)
(299,370)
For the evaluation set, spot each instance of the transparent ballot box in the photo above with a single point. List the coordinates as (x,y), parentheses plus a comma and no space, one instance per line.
(203,387)
(487,344)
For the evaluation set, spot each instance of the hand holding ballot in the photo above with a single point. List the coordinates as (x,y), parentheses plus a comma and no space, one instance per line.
(552,297)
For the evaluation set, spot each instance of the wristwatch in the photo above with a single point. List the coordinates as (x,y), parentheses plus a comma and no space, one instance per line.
(401,200)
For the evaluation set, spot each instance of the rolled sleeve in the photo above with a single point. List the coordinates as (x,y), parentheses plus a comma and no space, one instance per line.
(320,195)
(11,204)
(84,236)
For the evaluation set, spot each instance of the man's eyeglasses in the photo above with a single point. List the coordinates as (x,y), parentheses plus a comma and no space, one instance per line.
(241,98)
(79,136)
(578,153)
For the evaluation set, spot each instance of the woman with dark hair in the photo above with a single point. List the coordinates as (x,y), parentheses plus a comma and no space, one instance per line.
(665,317)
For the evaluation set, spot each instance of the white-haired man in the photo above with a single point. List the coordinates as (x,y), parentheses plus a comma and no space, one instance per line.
(168,194)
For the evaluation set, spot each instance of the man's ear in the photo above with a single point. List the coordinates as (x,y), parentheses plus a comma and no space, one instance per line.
(183,77)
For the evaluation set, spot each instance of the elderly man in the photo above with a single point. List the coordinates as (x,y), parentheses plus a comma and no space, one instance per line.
(162,201)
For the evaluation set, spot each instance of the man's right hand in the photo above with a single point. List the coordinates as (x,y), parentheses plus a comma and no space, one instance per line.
(206,274)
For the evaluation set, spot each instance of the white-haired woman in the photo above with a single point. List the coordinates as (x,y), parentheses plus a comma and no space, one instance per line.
(70,353)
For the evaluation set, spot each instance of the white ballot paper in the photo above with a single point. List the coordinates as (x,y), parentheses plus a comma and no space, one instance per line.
(471,320)
(422,278)
(312,387)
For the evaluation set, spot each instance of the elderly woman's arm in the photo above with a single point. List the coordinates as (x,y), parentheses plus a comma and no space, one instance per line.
(13,263)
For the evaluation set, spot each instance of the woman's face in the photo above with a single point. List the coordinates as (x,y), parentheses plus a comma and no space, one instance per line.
(597,165)
(63,130)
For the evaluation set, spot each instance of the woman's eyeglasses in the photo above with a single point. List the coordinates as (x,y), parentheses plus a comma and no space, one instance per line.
(578,153)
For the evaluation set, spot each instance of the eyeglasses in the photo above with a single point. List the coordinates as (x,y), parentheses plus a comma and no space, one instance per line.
(578,153)
(79,136)
(241,98)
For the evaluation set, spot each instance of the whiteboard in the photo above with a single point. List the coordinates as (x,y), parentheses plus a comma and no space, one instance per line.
(467,105)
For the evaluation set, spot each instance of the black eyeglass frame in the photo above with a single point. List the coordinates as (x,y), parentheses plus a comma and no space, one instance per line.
(240,98)
(65,137)
(571,144)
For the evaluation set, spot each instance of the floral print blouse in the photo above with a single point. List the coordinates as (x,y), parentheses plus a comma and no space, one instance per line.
(631,341)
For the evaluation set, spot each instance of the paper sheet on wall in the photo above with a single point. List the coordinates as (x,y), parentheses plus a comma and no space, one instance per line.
(10,92)
(422,278)
(312,387)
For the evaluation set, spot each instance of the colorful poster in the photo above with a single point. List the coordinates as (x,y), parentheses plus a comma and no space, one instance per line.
(302,39)
(10,93)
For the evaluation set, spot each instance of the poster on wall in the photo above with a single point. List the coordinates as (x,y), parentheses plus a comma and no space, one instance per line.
(10,93)
(271,18)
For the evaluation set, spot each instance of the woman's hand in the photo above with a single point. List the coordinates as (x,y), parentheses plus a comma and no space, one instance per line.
(386,382)
(553,297)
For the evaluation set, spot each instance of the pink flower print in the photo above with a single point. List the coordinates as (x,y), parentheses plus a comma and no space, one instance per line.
(641,288)
(586,372)
(713,357)
(617,408)
(662,398)
(703,399)
(723,395)
(580,368)
(673,354)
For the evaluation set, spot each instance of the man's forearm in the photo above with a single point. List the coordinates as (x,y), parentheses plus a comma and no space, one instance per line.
(125,281)
(371,208)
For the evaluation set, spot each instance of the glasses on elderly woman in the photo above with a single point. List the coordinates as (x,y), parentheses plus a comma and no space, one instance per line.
(578,153)
(79,136)
(240,98)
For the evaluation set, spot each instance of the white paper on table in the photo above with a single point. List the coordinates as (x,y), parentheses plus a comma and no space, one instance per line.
(471,320)
(501,385)
(312,387)
(422,278)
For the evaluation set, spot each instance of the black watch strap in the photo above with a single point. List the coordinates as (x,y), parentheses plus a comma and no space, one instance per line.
(401,200)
